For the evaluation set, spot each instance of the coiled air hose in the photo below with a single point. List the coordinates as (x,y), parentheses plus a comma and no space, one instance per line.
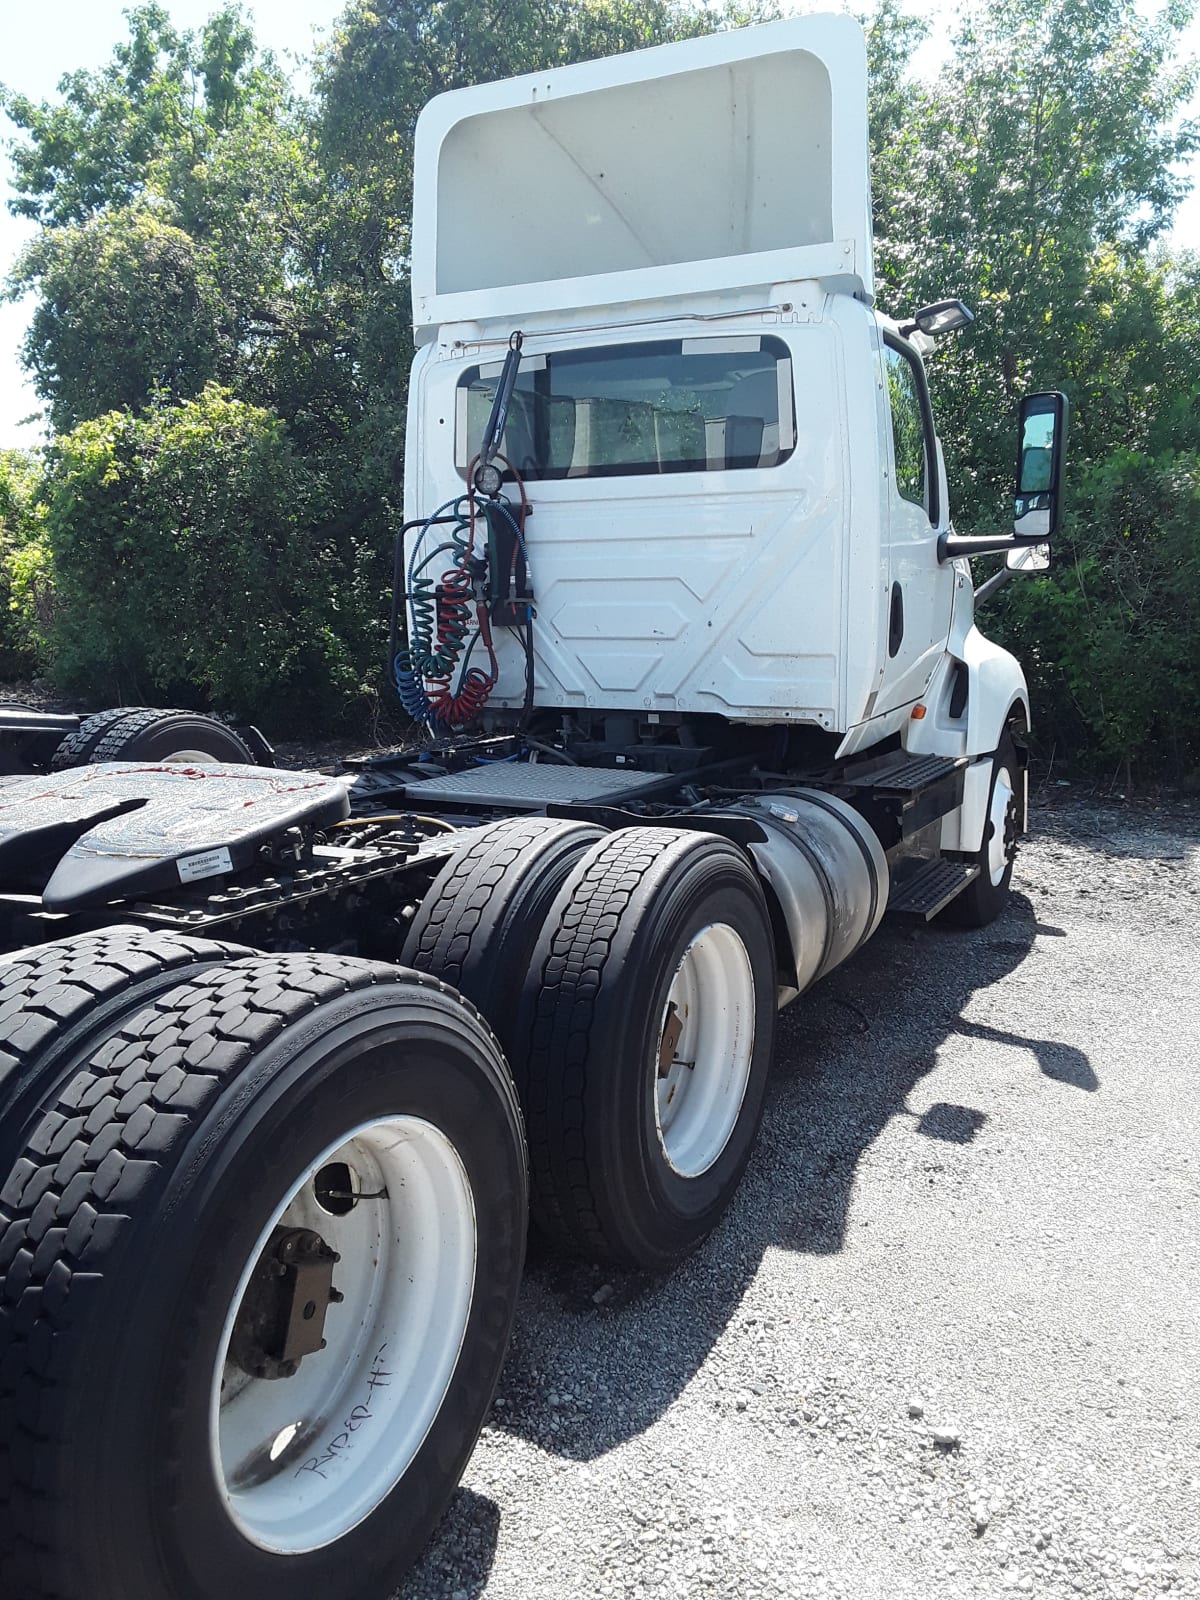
(449,615)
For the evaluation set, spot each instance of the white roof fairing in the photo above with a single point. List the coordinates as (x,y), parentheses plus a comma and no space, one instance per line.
(733,160)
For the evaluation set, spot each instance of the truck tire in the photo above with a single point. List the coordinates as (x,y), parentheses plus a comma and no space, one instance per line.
(59,1001)
(167,1435)
(170,736)
(986,895)
(76,749)
(477,926)
(646,1030)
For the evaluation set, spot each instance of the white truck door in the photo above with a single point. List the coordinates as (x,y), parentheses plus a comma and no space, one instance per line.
(920,592)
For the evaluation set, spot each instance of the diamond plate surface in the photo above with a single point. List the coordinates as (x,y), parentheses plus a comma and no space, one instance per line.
(530,784)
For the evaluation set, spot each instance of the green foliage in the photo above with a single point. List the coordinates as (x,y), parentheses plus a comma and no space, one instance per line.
(185,564)
(1030,179)
(201,223)
(1111,632)
(23,592)
(123,313)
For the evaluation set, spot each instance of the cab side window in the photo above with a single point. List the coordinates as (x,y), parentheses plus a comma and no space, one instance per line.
(908,428)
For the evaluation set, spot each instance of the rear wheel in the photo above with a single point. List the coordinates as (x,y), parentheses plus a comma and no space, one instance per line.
(477,926)
(171,736)
(291,1247)
(60,1001)
(646,1034)
(76,749)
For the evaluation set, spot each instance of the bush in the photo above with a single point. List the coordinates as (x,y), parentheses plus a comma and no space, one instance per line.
(1108,638)
(24,590)
(186,569)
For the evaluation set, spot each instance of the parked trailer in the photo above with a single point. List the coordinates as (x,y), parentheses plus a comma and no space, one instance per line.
(286,1058)
(34,740)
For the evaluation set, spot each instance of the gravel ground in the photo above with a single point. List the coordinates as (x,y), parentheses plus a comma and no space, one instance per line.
(946,1341)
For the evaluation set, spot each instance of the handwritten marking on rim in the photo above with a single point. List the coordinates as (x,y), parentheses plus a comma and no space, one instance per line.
(334,1452)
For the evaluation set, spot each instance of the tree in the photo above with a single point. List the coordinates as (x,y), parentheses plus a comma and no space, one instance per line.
(1051,137)
(125,311)
(176,189)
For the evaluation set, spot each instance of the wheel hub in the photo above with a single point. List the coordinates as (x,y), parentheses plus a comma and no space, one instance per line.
(300,1463)
(282,1315)
(1001,831)
(705,1048)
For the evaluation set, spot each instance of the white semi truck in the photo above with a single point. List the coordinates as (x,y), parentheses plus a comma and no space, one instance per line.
(689,643)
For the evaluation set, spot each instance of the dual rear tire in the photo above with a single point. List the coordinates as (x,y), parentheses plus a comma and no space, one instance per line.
(262,1218)
(631,979)
(137,733)
(264,1154)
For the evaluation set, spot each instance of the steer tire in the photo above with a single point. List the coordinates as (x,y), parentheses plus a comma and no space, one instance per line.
(637,911)
(478,924)
(76,749)
(171,736)
(986,896)
(60,1001)
(130,1229)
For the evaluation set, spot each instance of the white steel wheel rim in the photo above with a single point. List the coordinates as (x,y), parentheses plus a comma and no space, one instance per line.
(1002,794)
(190,758)
(699,1092)
(301,1461)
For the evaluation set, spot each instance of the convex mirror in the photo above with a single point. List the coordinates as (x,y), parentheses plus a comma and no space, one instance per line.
(1029,558)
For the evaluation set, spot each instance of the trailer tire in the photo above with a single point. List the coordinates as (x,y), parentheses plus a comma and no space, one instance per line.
(60,1001)
(140,1266)
(986,895)
(649,919)
(478,924)
(76,749)
(171,736)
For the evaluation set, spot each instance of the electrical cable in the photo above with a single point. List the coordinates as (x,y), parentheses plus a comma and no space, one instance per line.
(550,750)
(450,616)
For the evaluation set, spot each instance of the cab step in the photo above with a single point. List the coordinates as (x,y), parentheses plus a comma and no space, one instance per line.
(929,888)
(902,774)
(900,794)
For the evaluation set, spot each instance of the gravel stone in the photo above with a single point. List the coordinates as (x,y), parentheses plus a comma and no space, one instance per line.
(988,1201)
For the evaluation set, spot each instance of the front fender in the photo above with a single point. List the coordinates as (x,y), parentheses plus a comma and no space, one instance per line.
(996,693)
(997,699)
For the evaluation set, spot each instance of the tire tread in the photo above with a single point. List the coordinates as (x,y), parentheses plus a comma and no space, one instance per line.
(571,974)
(76,749)
(64,1211)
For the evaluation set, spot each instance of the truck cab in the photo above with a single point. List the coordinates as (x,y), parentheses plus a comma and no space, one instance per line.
(738,513)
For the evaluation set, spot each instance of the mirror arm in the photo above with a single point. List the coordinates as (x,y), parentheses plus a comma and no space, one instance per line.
(997,581)
(951,544)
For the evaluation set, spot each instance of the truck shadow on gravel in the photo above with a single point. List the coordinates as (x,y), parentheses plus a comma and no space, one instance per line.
(598,1356)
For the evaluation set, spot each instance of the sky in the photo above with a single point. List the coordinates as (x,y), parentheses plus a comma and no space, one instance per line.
(39,43)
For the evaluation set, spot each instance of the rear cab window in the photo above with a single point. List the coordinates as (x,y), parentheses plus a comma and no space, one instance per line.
(669,405)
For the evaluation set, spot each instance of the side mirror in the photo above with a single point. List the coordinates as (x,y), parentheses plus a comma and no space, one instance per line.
(1041,459)
(944,316)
